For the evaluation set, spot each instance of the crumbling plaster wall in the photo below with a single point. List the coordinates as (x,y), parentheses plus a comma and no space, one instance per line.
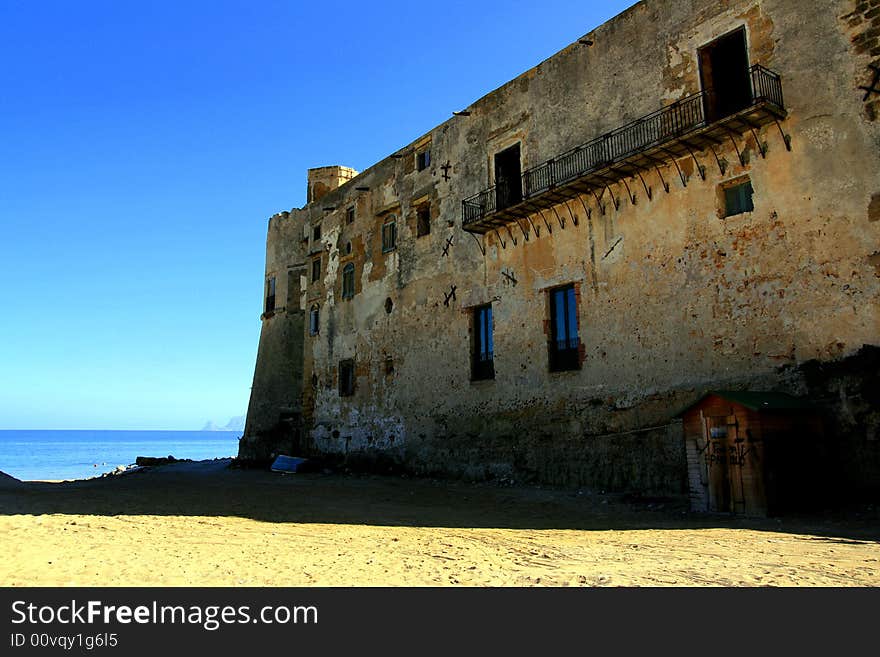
(673,298)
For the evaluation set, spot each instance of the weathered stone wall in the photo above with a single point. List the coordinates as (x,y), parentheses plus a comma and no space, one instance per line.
(673,298)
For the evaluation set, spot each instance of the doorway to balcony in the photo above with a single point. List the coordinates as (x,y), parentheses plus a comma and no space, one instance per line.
(724,75)
(508,178)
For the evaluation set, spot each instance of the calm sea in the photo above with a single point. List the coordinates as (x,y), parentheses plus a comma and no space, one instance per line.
(81,454)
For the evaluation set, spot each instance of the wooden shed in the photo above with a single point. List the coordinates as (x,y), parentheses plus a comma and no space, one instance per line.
(752,453)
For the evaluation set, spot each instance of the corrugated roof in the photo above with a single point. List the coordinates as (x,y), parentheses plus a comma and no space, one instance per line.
(756,400)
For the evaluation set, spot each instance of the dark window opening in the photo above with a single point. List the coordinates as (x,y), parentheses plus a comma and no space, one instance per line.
(482,361)
(389,305)
(314,320)
(348,248)
(738,199)
(389,235)
(346,378)
(316,270)
(314,380)
(389,366)
(508,178)
(564,347)
(349,215)
(292,288)
(270,294)
(316,233)
(423,220)
(348,281)
(423,160)
(724,74)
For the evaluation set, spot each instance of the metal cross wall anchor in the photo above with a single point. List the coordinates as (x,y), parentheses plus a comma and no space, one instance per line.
(510,277)
(450,296)
(446,167)
(873,88)
(448,244)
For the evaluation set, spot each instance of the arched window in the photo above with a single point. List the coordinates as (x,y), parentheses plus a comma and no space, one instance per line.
(348,281)
(314,319)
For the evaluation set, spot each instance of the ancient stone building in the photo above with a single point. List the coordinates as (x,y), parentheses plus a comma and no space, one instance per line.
(685,199)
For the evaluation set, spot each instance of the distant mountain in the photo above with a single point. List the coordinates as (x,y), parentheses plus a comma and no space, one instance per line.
(234,424)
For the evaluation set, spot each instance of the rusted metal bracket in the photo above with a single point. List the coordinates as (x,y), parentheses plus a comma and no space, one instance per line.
(524,231)
(501,241)
(510,234)
(632,197)
(700,168)
(477,240)
(662,181)
(722,165)
(761,148)
(598,200)
(587,209)
(645,185)
(613,200)
(742,160)
(786,138)
(558,218)
(574,218)
(544,219)
(677,168)
(535,228)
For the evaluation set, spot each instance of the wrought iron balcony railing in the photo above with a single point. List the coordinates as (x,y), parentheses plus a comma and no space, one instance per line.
(672,132)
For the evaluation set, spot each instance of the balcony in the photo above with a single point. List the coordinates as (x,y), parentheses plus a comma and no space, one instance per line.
(679,130)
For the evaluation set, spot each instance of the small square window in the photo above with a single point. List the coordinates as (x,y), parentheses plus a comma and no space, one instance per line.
(346,378)
(423,160)
(389,235)
(423,214)
(316,270)
(738,199)
(349,215)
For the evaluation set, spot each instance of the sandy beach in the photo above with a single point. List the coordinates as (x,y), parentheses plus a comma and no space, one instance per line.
(204,524)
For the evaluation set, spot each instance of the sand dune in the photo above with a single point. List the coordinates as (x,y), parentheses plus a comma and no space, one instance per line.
(204,524)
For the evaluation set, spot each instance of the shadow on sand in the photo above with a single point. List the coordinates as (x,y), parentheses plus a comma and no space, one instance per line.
(211,488)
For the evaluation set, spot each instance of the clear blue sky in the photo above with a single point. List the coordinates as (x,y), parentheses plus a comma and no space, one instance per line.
(143,145)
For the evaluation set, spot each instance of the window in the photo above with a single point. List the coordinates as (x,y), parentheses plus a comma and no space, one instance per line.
(292,288)
(508,177)
(724,75)
(564,346)
(389,235)
(423,160)
(482,363)
(346,378)
(270,294)
(316,233)
(314,319)
(349,215)
(738,199)
(423,215)
(348,281)
(316,270)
